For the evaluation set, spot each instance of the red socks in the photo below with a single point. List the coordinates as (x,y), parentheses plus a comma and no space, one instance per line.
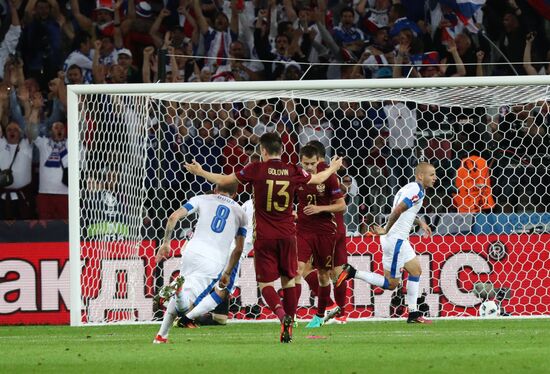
(323,300)
(274,301)
(312,280)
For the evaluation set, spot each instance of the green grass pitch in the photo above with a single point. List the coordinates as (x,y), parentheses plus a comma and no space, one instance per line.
(446,346)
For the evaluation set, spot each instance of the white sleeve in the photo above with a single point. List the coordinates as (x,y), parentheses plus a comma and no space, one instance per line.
(8,45)
(243,222)
(410,194)
(192,205)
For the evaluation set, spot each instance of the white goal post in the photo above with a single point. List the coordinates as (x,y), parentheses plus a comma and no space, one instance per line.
(125,142)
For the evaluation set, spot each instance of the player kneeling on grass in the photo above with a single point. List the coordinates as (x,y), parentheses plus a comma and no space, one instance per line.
(204,257)
(398,252)
(219,296)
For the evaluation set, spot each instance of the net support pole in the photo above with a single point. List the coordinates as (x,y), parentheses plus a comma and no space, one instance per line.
(74,207)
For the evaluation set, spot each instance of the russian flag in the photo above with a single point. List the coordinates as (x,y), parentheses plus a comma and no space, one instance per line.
(449,33)
(542,7)
(465,10)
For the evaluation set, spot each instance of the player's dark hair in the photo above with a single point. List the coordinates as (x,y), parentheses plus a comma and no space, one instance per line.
(272,143)
(230,189)
(320,147)
(308,151)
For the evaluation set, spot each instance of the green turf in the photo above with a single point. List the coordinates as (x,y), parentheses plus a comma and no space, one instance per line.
(492,346)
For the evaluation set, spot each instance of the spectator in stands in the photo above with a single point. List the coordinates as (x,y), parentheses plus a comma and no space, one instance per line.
(284,51)
(511,42)
(527,61)
(82,56)
(234,155)
(74,75)
(459,52)
(52,202)
(237,69)
(103,21)
(16,153)
(41,41)
(10,40)
(217,39)
(32,116)
(205,147)
(402,123)
(347,35)
(314,125)
(137,24)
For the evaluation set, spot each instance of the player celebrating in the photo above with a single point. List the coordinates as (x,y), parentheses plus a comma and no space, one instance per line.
(340,249)
(317,229)
(398,252)
(220,220)
(275,256)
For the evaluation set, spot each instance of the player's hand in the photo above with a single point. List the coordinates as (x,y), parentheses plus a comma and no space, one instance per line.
(336,163)
(312,209)
(163,252)
(377,230)
(224,280)
(194,167)
(427,230)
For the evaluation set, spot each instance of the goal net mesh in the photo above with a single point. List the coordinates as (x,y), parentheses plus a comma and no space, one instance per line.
(489,210)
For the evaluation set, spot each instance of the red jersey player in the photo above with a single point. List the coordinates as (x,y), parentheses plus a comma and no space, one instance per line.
(275,255)
(340,250)
(317,228)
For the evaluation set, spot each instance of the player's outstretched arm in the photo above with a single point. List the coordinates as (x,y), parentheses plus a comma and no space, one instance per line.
(337,206)
(164,249)
(335,165)
(220,179)
(392,218)
(233,260)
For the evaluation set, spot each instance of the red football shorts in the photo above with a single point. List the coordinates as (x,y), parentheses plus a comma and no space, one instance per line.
(340,250)
(274,258)
(322,248)
(305,250)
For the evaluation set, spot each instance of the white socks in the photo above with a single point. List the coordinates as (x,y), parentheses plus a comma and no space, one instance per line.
(412,292)
(372,278)
(169,317)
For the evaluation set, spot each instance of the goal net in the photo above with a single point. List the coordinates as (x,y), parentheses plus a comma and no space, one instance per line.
(489,210)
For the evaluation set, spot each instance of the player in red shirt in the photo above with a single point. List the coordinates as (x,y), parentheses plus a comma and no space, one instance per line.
(275,255)
(340,250)
(316,227)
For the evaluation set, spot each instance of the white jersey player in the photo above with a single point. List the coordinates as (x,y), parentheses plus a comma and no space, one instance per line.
(204,257)
(206,303)
(394,239)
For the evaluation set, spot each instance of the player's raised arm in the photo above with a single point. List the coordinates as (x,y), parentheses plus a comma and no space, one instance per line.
(392,218)
(220,179)
(164,249)
(335,165)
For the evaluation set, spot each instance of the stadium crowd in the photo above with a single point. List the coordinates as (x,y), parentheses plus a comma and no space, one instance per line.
(49,44)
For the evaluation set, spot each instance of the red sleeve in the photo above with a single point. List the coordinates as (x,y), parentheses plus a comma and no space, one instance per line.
(300,176)
(248,173)
(333,185)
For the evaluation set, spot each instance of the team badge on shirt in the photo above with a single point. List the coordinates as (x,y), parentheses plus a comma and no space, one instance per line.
(321,188)
(415,198)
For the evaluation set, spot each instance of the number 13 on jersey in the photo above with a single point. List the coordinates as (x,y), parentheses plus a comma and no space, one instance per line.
(281,190)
